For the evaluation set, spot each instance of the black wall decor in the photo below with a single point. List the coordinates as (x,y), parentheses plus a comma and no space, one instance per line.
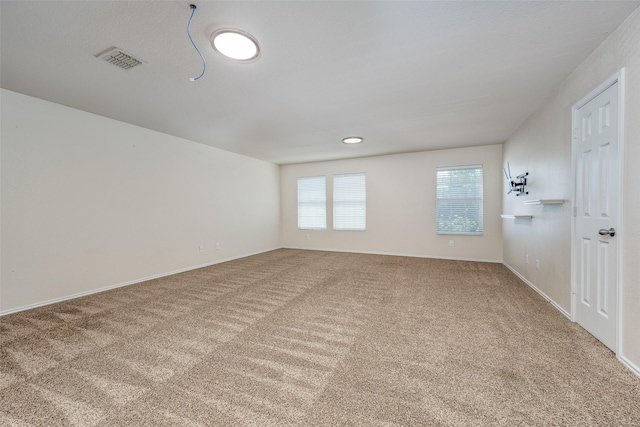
(517,185)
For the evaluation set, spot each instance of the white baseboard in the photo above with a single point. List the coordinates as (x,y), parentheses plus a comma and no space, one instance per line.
(182,270)
(626,362)
(542,294)
(632,367)
(496,261)
(131,282)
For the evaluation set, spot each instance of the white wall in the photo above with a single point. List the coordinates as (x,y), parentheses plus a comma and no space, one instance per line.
(400,205)
(542,146)
(89,202)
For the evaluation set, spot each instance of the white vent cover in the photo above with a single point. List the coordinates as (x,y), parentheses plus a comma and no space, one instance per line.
(119,58)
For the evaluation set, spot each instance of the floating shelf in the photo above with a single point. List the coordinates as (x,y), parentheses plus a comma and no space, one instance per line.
(544,202)
(506,216)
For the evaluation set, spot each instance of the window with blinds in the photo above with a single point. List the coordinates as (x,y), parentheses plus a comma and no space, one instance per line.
(312,203)
(459,200)
(349,202)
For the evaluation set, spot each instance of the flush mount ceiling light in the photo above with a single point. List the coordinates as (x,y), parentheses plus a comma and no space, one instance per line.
(352,140)
(235,44)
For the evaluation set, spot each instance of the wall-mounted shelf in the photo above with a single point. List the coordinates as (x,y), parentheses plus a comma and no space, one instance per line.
(544,202)
(506,216)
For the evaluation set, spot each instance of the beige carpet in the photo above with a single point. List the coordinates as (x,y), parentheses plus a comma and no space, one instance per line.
(304,338)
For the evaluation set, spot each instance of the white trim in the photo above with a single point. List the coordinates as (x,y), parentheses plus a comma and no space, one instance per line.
(620,226)
(451,168)
(131,282)
(495,261)
(632,367)
(572,200)
(544,202)
(538,291)
(618,77)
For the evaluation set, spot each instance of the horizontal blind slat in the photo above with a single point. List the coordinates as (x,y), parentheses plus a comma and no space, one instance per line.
(349,202)
(312,203)
(459,200)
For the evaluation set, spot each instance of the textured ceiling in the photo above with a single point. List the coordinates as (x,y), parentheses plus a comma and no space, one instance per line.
(407,76)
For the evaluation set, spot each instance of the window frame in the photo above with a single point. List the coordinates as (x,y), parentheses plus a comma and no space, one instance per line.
(323,202)
(472,201)
(340,204)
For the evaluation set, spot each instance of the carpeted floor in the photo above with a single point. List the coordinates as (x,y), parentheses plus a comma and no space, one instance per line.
(306,338)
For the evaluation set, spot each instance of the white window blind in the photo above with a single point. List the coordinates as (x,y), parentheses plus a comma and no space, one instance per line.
(349,202)
(312,203)
(459,200)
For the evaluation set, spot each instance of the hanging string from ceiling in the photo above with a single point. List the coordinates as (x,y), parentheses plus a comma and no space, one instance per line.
(204,64)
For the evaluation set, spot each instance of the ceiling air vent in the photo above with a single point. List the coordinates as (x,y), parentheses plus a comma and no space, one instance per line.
(119,58)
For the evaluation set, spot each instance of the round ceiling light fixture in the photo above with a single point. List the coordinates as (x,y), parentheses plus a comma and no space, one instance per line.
(352,140)
(235,44)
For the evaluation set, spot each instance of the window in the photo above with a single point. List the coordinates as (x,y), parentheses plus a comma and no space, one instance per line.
(459,200)
(312,203)
(349,202)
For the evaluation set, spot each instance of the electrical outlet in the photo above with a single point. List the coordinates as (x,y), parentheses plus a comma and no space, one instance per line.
(308,236)
(451,243)
(537,264)
(217,246)
(201,248)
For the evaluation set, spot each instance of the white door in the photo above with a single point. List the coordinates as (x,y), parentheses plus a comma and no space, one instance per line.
(597,186)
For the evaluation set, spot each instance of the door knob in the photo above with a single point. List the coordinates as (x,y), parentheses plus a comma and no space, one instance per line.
(603,232)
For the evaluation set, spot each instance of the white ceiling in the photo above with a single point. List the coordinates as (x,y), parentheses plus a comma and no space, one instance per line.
(405,75)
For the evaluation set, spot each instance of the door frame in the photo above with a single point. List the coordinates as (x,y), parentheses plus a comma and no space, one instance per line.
(618,77)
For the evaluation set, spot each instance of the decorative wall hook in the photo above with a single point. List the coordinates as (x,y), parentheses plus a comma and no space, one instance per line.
(518,184)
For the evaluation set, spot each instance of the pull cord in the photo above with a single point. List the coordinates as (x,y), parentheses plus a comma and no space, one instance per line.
(204,64)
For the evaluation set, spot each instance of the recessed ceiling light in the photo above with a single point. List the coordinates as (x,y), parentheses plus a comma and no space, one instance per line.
(352,140)
(235,44)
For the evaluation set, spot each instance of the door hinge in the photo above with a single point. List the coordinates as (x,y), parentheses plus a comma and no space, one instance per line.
(575,211)
(575,133)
